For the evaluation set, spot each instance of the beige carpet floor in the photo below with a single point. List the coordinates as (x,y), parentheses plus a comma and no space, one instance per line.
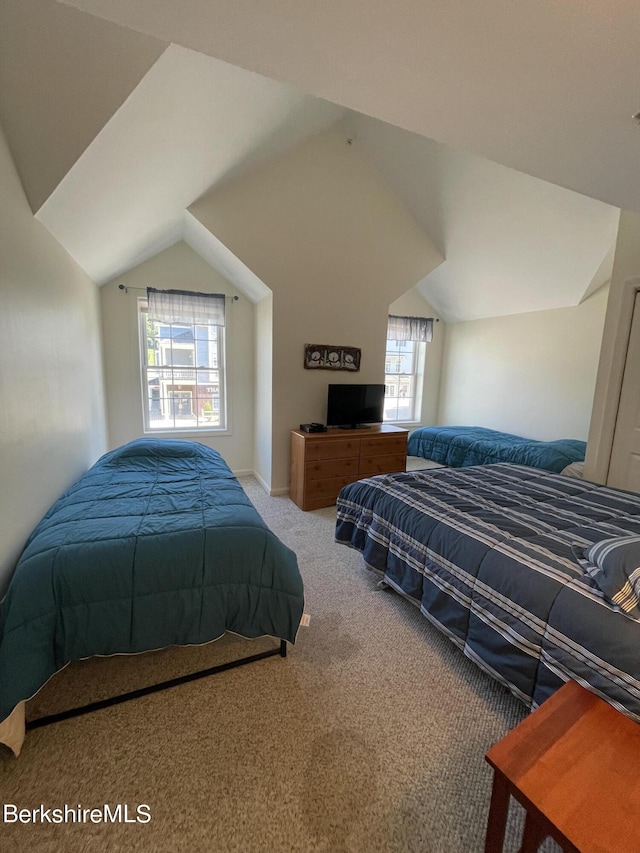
(370,736)
(417,463)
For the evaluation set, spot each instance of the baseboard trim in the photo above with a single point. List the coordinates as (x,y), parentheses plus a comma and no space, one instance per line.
(278,493)
(261,481)
(273,493)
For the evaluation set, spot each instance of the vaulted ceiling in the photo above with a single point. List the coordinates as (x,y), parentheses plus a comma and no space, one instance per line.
(505,127)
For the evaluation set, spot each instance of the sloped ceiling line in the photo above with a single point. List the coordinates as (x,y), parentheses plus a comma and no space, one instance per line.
(63,74)
(512,243)
(217,255)
(187,126)
(542,87)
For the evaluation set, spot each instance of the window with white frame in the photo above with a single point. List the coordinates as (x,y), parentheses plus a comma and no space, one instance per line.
(404,367)
(182,348)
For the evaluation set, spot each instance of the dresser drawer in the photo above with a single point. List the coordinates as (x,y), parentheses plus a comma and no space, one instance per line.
(390,464)
(383,444)
(323,468)
(328,487)
(341,448)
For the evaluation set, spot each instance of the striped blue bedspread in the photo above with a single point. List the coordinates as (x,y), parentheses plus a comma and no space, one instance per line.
(486,553)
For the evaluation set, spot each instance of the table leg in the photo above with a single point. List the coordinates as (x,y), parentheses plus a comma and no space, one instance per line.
(498,811)
(535,831)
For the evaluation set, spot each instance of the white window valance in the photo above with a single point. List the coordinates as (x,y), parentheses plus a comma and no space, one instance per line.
(409,328)
(184,306)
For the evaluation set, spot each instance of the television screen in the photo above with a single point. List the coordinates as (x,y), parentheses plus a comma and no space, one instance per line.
(350,406)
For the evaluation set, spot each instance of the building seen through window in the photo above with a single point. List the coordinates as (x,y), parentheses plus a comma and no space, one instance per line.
(400,380)
(407,339)
(182,374)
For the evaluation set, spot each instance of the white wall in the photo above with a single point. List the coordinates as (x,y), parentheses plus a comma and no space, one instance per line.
(531,374)
(335,245)
(52,411)
(412,304)
(177,267)
(615,338)
(263,391)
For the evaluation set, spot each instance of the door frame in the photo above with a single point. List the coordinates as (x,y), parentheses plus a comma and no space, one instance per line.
(613,357)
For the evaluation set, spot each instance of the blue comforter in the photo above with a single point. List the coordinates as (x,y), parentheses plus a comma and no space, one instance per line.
(488,553)
(459,446)
(156,545)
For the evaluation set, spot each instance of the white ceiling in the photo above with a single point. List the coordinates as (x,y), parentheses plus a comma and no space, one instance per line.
(190,124)
(546,87)
(62,76)
(454,71)
(512,243)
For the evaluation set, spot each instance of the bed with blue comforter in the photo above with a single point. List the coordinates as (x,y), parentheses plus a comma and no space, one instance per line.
(460,446)
(532,574)
(156,545)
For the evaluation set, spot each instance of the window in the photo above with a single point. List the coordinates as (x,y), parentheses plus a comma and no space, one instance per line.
(183,356)
(404,367)
(400,380)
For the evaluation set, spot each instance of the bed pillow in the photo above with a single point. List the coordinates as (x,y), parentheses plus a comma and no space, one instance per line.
(614,564)
(155,447)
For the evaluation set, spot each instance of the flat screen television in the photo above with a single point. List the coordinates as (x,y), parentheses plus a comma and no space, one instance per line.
(352,406)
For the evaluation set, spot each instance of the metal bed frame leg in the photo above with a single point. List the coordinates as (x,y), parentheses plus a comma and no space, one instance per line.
(280,650)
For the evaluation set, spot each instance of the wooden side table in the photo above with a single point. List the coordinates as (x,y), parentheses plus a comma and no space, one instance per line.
(574,764)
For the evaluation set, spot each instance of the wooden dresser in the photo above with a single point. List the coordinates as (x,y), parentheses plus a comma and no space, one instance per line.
(323,462)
